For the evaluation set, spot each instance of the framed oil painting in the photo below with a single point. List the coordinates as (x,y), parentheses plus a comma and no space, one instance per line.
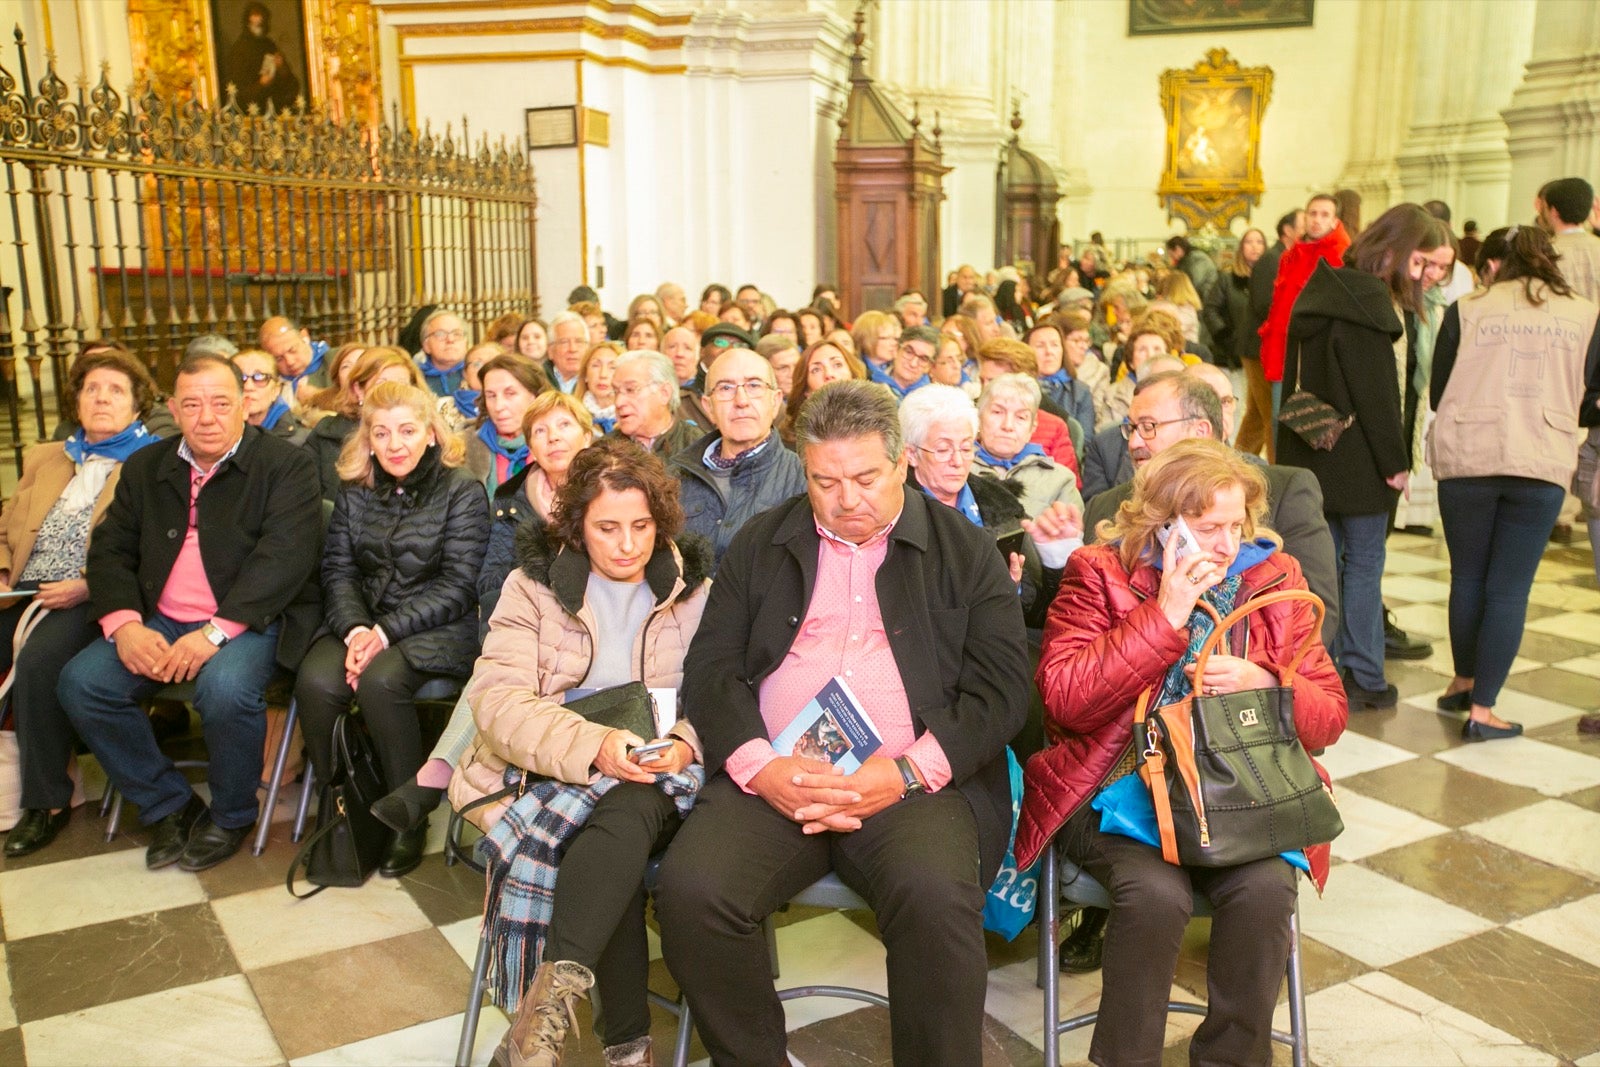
(1147,17)
(260,49)
(1213,161)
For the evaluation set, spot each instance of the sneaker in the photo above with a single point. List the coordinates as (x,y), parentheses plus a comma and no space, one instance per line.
(1397,644)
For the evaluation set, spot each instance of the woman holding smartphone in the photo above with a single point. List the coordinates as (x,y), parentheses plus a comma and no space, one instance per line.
(611,593)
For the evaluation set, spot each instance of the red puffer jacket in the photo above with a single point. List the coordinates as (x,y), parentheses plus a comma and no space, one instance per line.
(1106,641)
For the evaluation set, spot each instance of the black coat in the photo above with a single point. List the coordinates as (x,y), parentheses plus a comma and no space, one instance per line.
(260,525)
(325,443)
(511,511)
(1341,349)
(405,556)
(953,623)
(1106,462)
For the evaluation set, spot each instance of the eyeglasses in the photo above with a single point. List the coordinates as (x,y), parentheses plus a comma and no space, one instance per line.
(912,355)
(1147,427)
(633,390)
(449,335)
(755,389)
(258,378)
(946,453)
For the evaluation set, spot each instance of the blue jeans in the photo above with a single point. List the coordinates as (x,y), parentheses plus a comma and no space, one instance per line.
(1496,529)
(1358,550)
(102,701)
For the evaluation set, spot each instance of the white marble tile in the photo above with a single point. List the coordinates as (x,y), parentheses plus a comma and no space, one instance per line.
(1565,597)
(1552,830)
(269,926)
(1371,827)
(1573,928)
(113,885)
(1531,711)
(1573,625)
(1376,1019)
(204,1024)
(423,1045)
(1431,621)
(1441,663)
(1588,1061)
(1380,921)
(827,950)
(1403,542)
(8,1013)
(463,937)
(1551,769)
(1589,665)
(1014,999)
(1554,570)
(1355,754)
(1415,590)
(1412,563)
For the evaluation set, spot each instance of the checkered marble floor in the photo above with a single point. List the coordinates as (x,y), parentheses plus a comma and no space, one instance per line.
(1461,924)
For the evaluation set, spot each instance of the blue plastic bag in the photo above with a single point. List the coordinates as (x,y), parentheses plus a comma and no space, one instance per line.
(1008,908)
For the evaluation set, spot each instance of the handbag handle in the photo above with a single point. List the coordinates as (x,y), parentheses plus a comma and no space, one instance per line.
(1220,631)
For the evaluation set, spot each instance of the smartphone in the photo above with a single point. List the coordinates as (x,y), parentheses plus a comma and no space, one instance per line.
(1009,543)
(1179,529)
(651,752)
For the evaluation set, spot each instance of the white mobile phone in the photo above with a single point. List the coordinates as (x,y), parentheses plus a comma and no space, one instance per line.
(1180,529)
(651,752)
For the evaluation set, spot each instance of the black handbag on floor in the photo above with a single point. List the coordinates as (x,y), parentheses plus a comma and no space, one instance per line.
(349,842)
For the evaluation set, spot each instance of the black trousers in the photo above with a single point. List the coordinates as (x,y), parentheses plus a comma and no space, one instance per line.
(386,692)
(1151,902)
(736,860)
(597,914)
(44,735)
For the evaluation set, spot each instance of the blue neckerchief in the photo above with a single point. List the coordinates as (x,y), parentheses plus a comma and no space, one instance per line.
(319,352)
(1175,686)
(990,459)
(118,446)
(467,401)
(514,449)
(604,422)
(277,411)
(442,382)
(966,503)
(883,377)
(1060,377)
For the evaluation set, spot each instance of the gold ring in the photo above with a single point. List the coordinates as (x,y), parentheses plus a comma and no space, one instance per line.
(1194,579)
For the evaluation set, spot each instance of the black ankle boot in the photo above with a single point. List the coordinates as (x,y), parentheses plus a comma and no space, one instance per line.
(406,853)
(1082,950)
(406,807)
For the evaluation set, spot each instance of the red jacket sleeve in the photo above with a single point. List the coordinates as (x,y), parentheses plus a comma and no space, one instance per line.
(1051,434)
(1275,331)
(1321,708)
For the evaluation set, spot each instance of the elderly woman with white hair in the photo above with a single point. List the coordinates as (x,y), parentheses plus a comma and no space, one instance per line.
(644,387)
(941,426)
(1008,412)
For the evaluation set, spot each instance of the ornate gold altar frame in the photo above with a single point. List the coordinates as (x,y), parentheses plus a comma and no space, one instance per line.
(1213,166)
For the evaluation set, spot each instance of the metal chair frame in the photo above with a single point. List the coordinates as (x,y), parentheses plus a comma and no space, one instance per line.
(1081,889)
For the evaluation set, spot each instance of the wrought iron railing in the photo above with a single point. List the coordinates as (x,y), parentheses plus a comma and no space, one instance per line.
(150,220)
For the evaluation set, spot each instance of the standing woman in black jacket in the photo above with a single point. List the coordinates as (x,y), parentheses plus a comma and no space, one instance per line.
(1352,344)
(399,577)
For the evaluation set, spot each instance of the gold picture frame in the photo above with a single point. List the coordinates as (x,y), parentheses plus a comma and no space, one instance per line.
(1213,113)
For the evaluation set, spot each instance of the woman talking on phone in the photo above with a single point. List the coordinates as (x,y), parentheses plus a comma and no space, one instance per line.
(610,594)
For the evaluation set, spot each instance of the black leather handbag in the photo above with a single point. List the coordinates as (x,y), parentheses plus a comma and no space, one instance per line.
(1228,776)
(348,843)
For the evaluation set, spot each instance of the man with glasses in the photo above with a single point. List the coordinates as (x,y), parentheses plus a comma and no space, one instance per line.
(647,404)
(740,469)
(444,351)
(723,337)
(908,371)
(1106,460)
(203,570)
(569,340)
(299,358)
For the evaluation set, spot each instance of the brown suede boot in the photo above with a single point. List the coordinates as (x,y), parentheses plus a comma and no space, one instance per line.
(635,1053)
(549,1009)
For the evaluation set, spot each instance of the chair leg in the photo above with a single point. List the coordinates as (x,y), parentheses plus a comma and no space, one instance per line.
(116,813)
(1297,992)
(1049,933)
(772,944)
(304,809)
(275,783)
(469,1025)
(107,798)
(680,1046)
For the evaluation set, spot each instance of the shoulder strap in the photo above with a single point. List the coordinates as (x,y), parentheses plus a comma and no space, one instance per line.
(1147,735)
(1219,633)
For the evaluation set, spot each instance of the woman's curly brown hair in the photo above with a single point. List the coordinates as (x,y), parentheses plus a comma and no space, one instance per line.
(619,465)
(112,357)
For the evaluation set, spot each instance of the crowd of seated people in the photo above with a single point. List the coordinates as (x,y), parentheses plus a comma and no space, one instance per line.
(744,503)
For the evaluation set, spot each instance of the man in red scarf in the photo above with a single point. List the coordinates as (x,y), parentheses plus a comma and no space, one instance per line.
(1325,238)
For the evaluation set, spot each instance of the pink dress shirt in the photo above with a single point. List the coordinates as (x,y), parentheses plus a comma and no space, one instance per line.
(842,634)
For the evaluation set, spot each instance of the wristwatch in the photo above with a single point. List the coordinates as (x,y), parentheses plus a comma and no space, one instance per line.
(214,634)
(908,775)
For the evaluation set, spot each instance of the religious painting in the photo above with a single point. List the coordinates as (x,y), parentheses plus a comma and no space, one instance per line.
(1147,17)
(1213,114)
(260,50)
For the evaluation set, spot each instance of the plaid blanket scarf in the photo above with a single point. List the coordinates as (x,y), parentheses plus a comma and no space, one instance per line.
(522,852)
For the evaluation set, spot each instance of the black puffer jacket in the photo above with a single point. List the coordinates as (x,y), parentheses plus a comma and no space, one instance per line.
(405,556)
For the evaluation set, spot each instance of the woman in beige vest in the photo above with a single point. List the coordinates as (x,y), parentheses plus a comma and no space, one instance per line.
(1516,372)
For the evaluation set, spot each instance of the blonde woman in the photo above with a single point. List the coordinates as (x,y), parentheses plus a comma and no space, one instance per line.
(399,580)
(594,382)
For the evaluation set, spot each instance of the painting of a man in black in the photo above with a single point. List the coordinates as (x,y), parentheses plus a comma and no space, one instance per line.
(255,66)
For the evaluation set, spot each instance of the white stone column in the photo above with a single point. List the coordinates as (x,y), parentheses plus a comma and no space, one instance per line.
(1553,122)
(1381,111)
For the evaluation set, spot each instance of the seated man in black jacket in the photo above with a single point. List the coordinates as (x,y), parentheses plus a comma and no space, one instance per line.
(203,570)
(937,661)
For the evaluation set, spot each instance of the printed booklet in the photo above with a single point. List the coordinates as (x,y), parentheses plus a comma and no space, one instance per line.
(832,727)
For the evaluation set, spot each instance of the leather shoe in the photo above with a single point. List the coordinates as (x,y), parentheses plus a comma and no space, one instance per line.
(211,844)
(1473,730)
(36,829)
(1461,701)
(1361,699)
(1590,723)
(407,806)
(405,855)
(170,834)
(1083,949)
(1397,644)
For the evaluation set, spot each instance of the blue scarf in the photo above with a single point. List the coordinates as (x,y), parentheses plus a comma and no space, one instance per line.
(1175,686)
(882,376)
(514,449)
(966,503)
(467,401)
(118,446)
(442,382)
(319,352)
(1060,379)
(277,411)
(990,459)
